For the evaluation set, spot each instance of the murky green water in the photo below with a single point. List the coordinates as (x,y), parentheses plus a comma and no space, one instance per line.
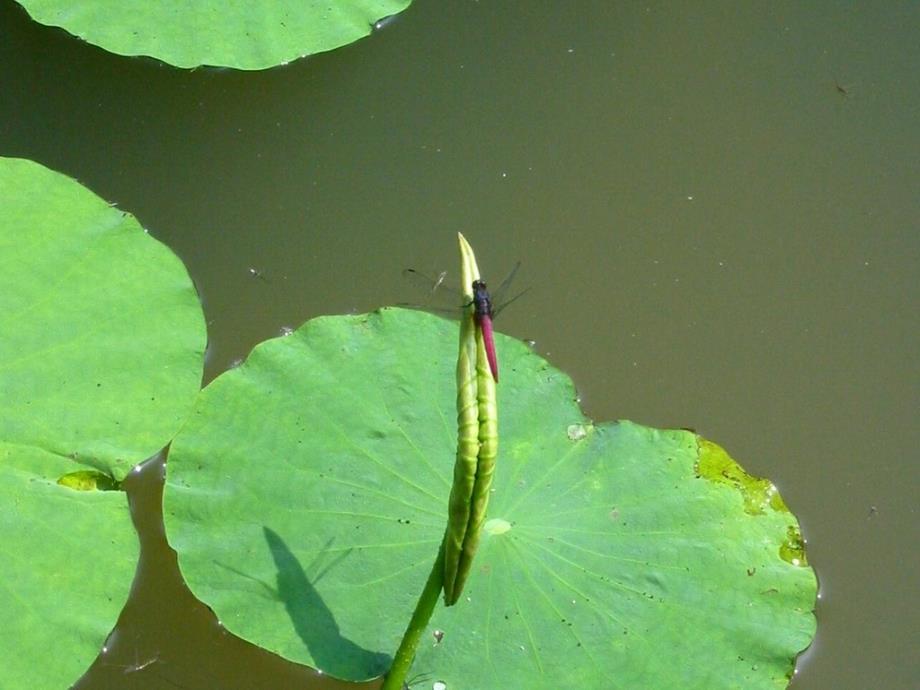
(718,210)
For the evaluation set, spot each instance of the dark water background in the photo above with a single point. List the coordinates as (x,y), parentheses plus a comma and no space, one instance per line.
(718,209)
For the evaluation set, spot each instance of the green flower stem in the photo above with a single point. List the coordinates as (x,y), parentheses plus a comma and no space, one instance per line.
(487,442)
(461,491)
(477,442)
(477,448)
(405,655)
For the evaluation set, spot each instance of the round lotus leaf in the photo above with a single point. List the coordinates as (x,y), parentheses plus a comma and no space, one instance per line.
(243,35)
(101,348)
(307,498)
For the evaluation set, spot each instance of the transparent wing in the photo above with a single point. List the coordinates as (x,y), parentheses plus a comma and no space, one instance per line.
(498,295)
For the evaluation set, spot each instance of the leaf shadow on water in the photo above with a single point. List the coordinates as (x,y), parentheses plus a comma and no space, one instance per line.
(313,620)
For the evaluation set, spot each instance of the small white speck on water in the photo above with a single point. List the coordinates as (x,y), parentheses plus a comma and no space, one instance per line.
(384,22)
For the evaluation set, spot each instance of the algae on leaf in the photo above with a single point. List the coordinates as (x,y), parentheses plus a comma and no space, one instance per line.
(606,561)
(101,346)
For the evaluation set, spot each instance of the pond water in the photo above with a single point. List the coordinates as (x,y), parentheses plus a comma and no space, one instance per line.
(718,211)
